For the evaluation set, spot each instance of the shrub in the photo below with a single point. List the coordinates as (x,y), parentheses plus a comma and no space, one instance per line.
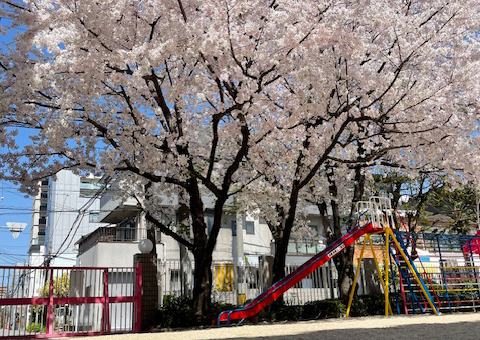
(311,310)
(323,309)
(288,313)
(216,309)
(176,312)
(372,305)
(36,328)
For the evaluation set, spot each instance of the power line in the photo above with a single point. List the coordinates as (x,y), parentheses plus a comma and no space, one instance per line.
(81,213)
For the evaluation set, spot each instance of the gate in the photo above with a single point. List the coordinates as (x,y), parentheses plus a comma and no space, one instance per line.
(44,302)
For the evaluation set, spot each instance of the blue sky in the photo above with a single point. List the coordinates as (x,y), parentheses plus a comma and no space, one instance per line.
(14,206)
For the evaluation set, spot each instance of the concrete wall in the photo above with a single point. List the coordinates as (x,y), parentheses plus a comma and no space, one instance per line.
(111,254)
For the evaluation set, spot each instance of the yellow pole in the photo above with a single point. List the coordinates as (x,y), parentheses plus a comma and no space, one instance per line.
(354,284)
(377,266)
(430,302)
(387,263)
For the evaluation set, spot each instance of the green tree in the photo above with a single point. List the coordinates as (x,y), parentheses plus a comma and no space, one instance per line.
(61,285)
(458,204)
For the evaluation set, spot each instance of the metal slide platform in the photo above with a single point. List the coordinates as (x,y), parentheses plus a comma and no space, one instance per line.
(280,287)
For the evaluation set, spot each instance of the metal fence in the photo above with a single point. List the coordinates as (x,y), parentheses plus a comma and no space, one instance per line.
(39,302)
(239,284)
(450,266)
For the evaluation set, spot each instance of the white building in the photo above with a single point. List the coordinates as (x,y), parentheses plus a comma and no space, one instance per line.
(240,237)
(66,208)
(36,250)
(243,241)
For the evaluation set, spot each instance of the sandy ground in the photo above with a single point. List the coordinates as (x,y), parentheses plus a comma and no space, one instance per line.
(458,326)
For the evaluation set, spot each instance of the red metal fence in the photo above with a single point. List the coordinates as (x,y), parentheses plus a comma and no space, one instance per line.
(44,302)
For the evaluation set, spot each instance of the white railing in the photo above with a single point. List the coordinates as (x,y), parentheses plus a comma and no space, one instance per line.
(236,285)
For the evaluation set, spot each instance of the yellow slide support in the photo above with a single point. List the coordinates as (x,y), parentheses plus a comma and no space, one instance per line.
(385,282)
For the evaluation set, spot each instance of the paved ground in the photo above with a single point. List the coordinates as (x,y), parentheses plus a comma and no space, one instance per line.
(459,326)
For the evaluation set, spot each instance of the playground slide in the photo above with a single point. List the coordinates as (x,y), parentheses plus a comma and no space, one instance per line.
(280,287)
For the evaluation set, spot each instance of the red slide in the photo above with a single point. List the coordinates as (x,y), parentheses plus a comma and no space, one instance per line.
(280,287)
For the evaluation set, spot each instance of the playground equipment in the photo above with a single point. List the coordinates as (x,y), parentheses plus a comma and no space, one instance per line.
(375,217)
(451,265)
(379,211)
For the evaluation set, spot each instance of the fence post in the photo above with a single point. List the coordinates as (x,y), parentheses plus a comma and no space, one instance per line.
(442,268)
(330,273)
(474,273)
(106,310)
(138,298)
(49,326)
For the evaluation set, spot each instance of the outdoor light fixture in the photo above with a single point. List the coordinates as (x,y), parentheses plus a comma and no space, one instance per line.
(145,246)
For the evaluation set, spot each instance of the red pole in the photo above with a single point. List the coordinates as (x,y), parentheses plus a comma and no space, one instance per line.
(403,291)
(138,298)
(49,326)
(106,309)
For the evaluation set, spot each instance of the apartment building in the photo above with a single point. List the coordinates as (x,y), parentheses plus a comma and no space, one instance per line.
(243,243)
(242,237)
(65,208)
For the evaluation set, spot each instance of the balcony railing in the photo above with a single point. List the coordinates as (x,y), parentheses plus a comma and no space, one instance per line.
(111,234)
(38,241)
(305,248)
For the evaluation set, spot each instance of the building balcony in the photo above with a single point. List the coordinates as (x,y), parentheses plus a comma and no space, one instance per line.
(115,210)
(111,234)
(38,241)
(303,248)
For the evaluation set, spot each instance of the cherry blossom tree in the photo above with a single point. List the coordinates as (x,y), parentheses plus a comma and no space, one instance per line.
(208,96)
(391,87)
(173,93)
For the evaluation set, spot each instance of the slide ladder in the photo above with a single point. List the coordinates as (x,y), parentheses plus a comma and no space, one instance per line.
(407,276)
(408,285)
(280,287)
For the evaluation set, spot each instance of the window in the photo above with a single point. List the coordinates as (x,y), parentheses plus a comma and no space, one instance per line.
(129,232)
(253,278)
(209,223)
(44,195)
(94,216)
(250,227)
(88,188)
(234,228)
(174,280)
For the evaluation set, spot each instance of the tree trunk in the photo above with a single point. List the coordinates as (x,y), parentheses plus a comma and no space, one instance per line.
(344,264)
(344,261)
(202,282)
(279,259)
(282,238)
(278,269)
(202,288)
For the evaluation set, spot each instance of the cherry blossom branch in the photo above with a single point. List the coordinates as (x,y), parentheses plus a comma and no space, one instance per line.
(167,231)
